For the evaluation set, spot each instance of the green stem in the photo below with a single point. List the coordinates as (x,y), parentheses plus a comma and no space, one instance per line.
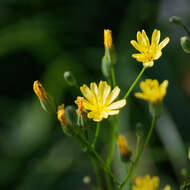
(98,177)
(111,152)
(186,29)
(140,151)
(96,156)
(96,135)
(134,83)
(113,76)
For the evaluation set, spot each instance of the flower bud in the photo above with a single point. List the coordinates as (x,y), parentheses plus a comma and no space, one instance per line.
(71,115)
(87,180)
(61,115)
(123,147)
(175,20)
(189,153)
(185,43)
(108,39)
(46,101)
(106,66)
(69,78)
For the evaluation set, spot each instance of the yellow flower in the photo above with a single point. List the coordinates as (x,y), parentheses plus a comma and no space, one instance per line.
(79,102)
(152,91)
(122,144)
(148,183)
(108,38)
(61,114)
(99,100)
(39,90)
(148,51)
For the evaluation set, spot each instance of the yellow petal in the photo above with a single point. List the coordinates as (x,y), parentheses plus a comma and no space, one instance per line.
(139,57)
(156,36)
(112,96)
(167,187)
(158,55)
(113,112)
(148,64)
(164,43)
(135,45)
(101,88)
(87,105)
(88,94)
(117,105)
(146,38)
(94,89)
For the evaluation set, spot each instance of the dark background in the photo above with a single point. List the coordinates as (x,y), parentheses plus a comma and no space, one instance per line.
(40,39)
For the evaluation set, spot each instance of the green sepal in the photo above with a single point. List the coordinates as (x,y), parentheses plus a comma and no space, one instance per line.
(185,44)
(48,105)
(155,109)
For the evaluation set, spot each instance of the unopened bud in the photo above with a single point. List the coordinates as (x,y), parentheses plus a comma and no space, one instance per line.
(108,39)
(106,66)
(175,20)
(123,147)
(86,180)
(39,90)
(71,115)
(61,115)
(46,101)
(69,78)
(189,153)
(184,172)
(185,43)
(79,102)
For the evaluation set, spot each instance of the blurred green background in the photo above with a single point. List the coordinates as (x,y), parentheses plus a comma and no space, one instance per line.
(40,39)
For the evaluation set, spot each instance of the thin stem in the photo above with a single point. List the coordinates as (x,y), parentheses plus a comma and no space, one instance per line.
(154,120)
(134,83)
(98,177)
(111,152)
(96,135)
(99,160)
(113,140)
(113,76)
(186,29)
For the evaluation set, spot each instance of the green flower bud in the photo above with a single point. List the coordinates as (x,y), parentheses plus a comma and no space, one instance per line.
(185,44)
(69,78)
(71,115)
(46,101)
(106,67)
(175,20)
(189,153)
(48,105)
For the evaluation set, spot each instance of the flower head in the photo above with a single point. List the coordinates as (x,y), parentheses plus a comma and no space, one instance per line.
(152,91)
(108,38)
(61,114)
(79,102)
(39,90)
(99,100)
(148,51)
(148,183)
(122,144)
